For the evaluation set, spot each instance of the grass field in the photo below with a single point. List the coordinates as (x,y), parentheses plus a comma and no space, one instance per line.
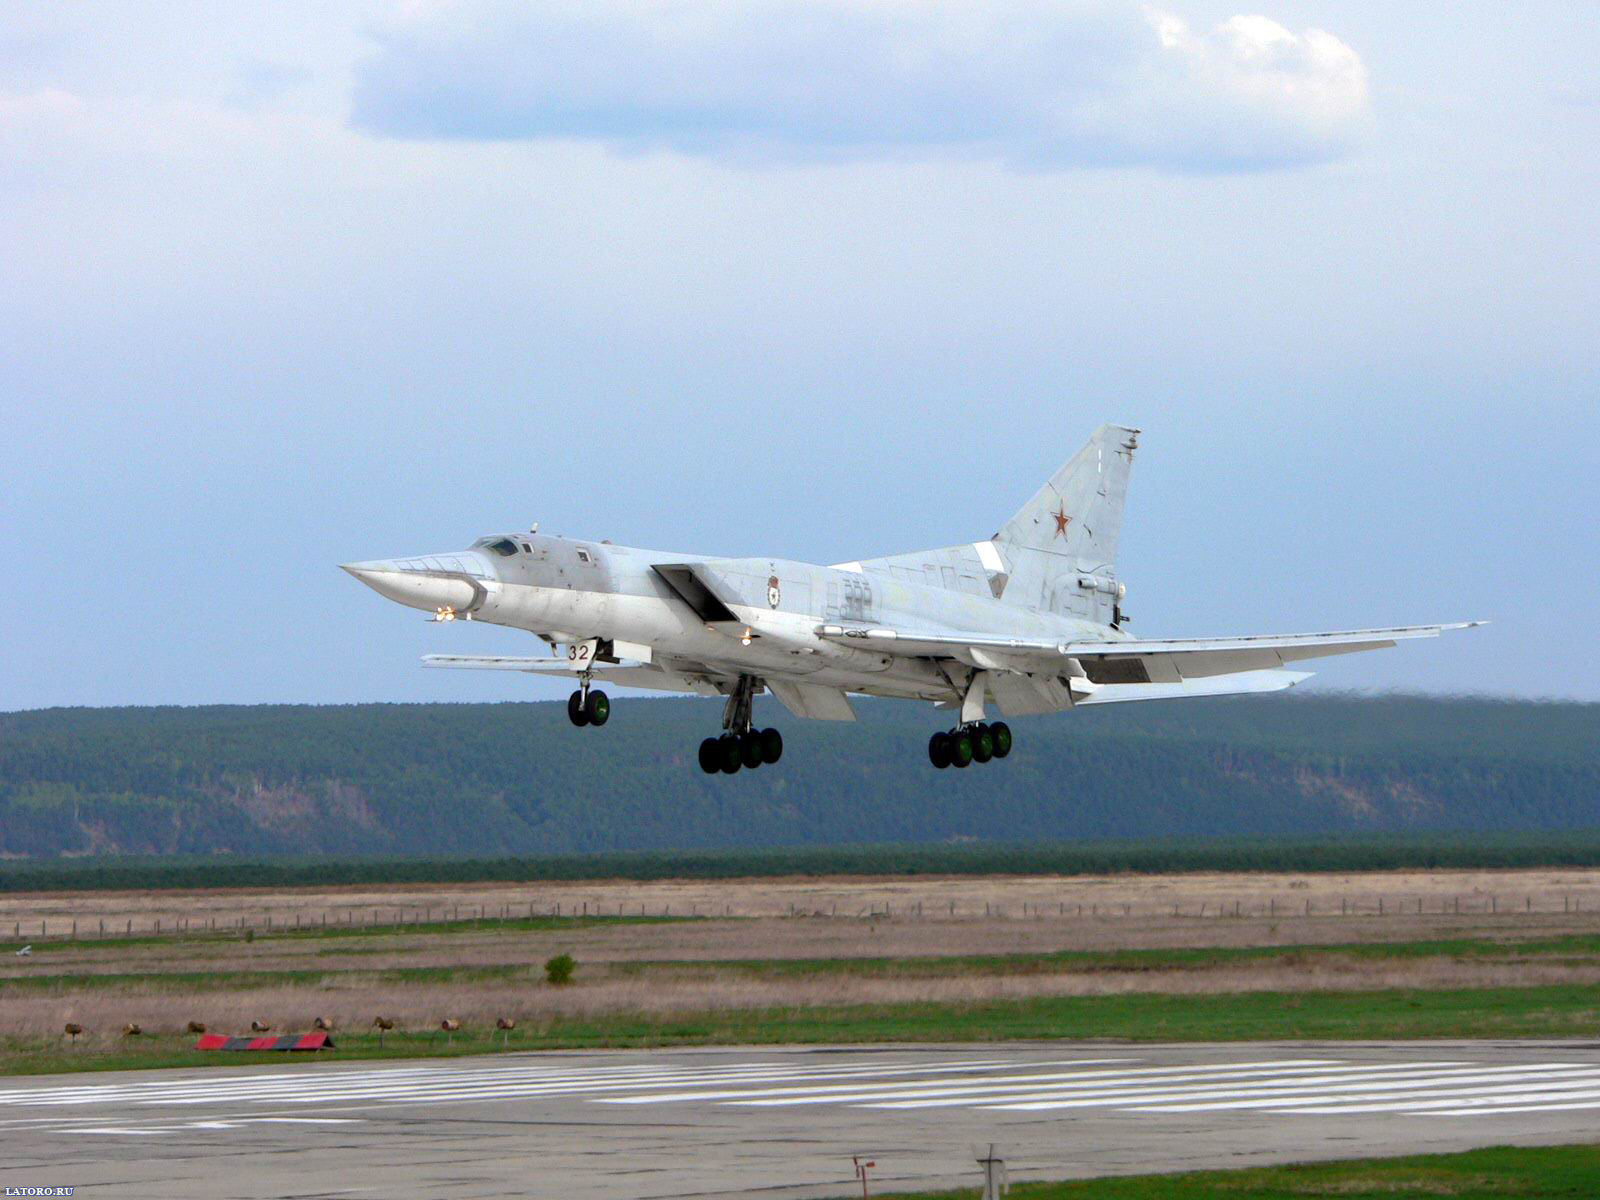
(1533,1173)
(1571,1011)
(897,967)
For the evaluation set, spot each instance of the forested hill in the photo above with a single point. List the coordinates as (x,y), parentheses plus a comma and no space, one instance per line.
(517,779)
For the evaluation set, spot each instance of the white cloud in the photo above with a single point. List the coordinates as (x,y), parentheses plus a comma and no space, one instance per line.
(1034,83)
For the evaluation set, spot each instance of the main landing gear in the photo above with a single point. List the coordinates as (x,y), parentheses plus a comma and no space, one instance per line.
(588,708)
(967,744)
(750,749)
(742,745)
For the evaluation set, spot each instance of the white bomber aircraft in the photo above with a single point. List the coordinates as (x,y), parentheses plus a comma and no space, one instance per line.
(1030,621)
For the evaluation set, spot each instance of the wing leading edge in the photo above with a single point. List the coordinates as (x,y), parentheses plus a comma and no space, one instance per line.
(1158,669)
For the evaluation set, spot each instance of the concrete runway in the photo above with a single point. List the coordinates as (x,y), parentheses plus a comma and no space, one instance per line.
(628,1125)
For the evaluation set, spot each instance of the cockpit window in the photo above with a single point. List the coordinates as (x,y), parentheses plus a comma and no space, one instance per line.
(504,547)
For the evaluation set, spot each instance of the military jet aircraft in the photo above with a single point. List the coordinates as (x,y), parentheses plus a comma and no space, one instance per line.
(1029,620)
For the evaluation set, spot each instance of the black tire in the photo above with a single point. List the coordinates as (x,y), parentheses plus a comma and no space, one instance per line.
(960,749)
(710,756)
(1002,738)
(728,748)
(750,749)
(982,744)
(597,708)
(576,713)
(939,750)
(771,746)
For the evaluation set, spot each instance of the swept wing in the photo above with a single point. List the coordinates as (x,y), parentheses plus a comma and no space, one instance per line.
(1129,661)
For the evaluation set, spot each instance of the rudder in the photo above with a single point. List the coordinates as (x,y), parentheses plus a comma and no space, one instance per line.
(1061,547)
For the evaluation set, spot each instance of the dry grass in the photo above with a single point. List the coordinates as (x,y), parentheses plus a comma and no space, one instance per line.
(615,974)
(352,1001)
(1548,890)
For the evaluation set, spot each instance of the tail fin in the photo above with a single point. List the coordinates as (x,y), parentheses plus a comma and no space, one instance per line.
(1061,547)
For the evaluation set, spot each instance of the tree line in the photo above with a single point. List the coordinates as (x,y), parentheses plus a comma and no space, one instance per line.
(517,782)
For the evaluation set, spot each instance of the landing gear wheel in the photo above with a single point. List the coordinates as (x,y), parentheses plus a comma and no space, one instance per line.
(750,749)
(771,746)
(939,750)
(576,712)
(710,756)
(1002,738)
(728,750)
(597,708)
(982,744)
(960,748)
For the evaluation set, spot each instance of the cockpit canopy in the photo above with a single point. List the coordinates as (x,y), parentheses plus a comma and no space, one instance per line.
(504,545)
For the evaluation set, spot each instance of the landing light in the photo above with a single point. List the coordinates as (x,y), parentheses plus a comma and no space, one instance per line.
(745,639)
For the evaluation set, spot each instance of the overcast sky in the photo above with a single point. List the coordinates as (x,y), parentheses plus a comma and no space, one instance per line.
(283,286)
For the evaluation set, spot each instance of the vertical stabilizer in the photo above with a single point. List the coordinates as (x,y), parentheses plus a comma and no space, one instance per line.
(1061,547)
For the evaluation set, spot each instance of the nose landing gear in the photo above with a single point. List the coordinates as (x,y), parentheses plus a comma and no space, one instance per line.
(742,745)
(967,744)
(585,707)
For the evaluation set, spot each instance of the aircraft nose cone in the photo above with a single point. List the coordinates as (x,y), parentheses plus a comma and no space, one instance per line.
(366,571)
(428,584)
(382,575)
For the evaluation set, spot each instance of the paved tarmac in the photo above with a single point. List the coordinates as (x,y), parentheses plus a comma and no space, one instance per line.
(630,1125)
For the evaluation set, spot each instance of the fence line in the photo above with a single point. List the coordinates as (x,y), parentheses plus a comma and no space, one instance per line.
(485,916)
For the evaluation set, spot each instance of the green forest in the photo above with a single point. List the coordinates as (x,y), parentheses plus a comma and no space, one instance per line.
(501,781)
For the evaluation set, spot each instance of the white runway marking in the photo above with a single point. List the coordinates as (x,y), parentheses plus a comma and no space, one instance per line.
(1129,1083)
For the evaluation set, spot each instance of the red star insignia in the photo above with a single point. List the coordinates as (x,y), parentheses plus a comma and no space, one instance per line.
(1061,520)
